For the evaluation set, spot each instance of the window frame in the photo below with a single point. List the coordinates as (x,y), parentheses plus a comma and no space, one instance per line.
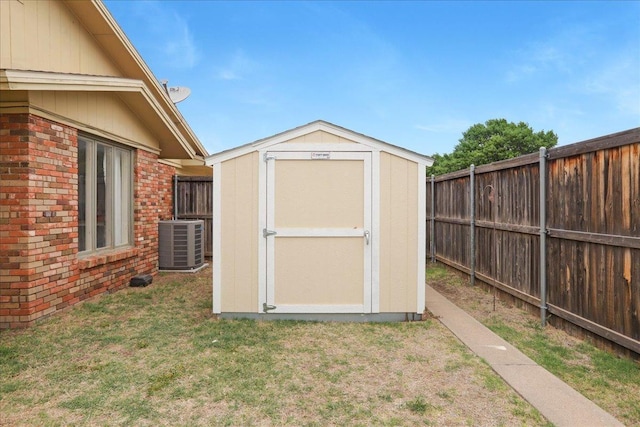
(91,195)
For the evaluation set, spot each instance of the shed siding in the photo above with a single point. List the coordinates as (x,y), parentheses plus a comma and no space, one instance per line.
(239,254)
(98,110)
(46,36)
(398,233)
(319,136)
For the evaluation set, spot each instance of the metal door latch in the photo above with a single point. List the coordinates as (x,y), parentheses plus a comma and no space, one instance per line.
(266,233)
(367,236)
(266,307)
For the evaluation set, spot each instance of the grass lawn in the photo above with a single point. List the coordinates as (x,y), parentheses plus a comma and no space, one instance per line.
(613,383)
(156,356)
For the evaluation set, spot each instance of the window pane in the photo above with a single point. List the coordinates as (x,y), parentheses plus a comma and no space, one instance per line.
(122,196)
(82,195)
(104,195)
(101,196)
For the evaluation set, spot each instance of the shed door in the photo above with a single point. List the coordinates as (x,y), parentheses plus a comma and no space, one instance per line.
(318,232)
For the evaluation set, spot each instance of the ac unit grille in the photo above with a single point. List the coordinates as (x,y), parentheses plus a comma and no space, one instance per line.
(180,245)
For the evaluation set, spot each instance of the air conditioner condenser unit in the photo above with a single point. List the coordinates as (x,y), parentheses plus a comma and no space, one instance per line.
(181,245)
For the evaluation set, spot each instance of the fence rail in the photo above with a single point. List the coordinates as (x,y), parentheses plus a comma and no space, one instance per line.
(559,230)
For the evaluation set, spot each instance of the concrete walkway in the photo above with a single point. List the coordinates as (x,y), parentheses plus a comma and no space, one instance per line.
(556,401)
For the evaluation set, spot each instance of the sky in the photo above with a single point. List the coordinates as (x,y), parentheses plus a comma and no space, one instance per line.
(411,73)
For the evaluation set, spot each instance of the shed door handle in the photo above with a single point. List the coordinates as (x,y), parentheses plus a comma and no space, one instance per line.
(367,236)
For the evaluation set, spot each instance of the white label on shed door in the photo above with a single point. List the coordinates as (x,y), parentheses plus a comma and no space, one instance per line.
(318,233)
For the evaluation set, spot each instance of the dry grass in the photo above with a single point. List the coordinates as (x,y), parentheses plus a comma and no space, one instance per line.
(611,382)
(155,356)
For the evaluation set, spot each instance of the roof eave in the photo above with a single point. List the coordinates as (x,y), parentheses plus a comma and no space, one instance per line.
(131,91)
(105,29)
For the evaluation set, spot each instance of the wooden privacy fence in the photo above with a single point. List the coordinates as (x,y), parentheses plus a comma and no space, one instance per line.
(193,200)
(559,230)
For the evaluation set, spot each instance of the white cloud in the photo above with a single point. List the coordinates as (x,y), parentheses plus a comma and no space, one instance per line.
(564,52)
(619,81)
(580,61)
(520,72)
(168,34)
(227,75)
(238,67)
(247,81)
(181,50)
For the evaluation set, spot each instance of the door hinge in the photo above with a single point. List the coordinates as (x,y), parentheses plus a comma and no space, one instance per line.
(266,233)
(266,307)
(266,157)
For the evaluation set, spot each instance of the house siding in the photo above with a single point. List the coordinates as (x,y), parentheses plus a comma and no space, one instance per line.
(41,272)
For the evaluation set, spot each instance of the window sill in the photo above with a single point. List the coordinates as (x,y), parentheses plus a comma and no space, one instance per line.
(97,260)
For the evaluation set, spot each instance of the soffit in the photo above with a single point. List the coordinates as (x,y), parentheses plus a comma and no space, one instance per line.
(99,22)
(133,92)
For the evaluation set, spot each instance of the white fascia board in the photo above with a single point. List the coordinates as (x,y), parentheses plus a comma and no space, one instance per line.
(175,163)
(261,144)
(151,81)
(374,144)
(48,81)
(181,163)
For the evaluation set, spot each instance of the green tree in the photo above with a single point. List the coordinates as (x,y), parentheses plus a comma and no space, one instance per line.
(494,140)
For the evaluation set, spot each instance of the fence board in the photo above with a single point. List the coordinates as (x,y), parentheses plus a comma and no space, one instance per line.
(592,223)
(194,201)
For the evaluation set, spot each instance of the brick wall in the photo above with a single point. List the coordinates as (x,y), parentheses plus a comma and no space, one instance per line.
(41,272)
(165,191)
(38,217)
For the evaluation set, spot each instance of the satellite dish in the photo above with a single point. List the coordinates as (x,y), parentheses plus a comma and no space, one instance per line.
(178,93)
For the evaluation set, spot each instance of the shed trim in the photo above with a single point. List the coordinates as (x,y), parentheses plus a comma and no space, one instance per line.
(318,125)
(422,233)
(320,232)
(216,240)
(375,232)
(277,146)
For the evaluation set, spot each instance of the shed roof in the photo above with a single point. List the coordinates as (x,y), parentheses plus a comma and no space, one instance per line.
(318,125)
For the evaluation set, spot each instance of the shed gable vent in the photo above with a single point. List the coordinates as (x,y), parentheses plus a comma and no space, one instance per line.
(181,245)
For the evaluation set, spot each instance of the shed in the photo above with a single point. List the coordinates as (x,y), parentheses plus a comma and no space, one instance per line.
(319,223)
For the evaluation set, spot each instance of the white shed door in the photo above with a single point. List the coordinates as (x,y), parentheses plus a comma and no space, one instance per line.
(318,232)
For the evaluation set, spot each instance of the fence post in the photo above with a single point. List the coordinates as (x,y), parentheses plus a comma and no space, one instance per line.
(472,218)
(543,236)
(433,219)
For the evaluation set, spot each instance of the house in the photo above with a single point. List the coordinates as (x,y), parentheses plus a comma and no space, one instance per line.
(89,143)
(319,223)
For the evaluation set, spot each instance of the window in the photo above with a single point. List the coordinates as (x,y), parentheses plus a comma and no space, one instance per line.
(105,182)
